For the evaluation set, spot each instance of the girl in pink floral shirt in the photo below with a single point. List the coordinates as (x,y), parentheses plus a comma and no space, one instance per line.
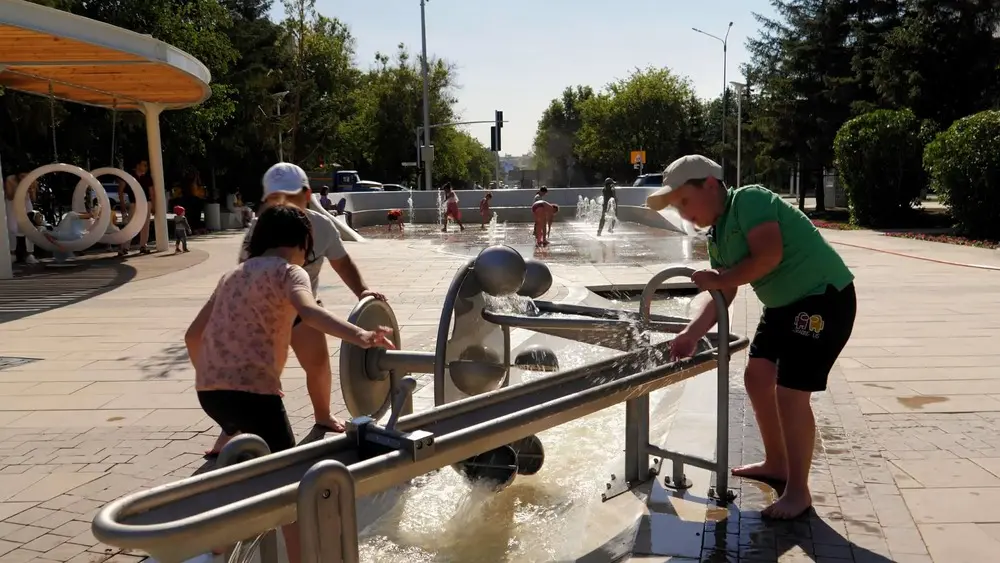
(239,341)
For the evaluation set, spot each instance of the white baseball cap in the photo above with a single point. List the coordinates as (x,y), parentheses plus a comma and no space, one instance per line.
(680,172)
(284,178)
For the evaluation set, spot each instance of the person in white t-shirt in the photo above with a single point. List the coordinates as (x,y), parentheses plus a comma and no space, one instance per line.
(287,183)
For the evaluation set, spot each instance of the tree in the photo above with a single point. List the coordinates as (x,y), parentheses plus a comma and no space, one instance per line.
(556,135)
(803,60)
(592,134)
(942,60)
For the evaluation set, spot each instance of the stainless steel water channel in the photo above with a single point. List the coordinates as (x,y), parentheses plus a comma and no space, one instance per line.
(317,483)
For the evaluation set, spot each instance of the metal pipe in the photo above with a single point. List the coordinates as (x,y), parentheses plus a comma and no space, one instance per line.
(404,361)
(447,310)
(215,525)
(722,397)
(723,357)
(241,449)
(686,459)
(620,363)
(506,355)
(329,532)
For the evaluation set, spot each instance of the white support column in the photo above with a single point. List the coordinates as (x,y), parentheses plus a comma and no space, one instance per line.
(153,112)
(6,269)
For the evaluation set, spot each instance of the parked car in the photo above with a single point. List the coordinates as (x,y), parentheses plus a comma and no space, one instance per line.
(394,188)
(649,180)
(366,186)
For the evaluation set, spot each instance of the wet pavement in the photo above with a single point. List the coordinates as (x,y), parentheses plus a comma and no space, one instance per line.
(907,464)
(572,242)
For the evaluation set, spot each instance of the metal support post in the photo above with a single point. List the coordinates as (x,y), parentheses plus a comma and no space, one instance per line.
(722,402)
(6,267)
(328,524)
(159,192)
(240,449)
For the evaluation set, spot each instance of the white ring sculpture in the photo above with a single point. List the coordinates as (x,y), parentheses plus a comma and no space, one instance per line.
(30,231)
(128,232)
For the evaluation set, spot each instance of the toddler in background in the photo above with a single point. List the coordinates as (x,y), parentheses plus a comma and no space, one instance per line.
(395,217)
(484,210)
(181,230)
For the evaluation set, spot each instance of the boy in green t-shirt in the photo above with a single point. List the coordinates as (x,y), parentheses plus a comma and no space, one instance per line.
(759,239)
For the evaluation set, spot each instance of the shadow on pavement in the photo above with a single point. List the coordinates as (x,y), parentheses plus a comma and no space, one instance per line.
(44,287)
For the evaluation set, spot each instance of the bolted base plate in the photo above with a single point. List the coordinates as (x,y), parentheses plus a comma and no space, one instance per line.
(367,391)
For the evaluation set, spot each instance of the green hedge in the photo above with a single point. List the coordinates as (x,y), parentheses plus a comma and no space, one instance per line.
(880,163)
(963,164)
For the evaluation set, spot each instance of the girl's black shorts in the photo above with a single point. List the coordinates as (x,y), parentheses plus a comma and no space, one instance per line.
(250,413)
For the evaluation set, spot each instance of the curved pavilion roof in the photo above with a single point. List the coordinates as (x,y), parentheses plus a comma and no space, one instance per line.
(89,62)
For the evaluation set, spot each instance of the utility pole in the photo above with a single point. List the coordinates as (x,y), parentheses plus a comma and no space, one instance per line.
(427,151)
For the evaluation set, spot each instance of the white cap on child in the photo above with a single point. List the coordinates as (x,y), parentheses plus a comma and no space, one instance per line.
(284,178)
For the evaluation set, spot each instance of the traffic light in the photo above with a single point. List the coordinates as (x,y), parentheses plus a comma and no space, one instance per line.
(495,131)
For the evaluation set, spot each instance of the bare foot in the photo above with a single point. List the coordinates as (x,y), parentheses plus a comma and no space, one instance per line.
(220,443)
(789,506)
(761,471)
(331,424)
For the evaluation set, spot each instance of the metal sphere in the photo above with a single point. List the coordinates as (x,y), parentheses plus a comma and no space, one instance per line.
(537,279)
(537,358)
(499,270)
(478,370)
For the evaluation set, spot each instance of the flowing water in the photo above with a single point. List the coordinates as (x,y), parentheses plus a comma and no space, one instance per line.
(539,518)
(409,203)
(574,242)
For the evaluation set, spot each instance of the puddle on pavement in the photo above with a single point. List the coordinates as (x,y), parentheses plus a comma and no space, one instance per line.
(918,402)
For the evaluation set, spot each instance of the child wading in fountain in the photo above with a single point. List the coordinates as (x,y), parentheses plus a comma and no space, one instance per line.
(451,208)
(484,210)
(544,213)
(239,341)
(181,230)
(395,217)
(757,238)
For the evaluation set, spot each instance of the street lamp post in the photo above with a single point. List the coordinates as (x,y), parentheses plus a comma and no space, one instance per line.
(725,88)
(429,156)
(281,142)
(740,87)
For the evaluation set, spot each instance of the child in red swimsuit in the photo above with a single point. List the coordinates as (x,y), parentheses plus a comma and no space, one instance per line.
(395,217)
(451,209)
(484,210)
(544,213)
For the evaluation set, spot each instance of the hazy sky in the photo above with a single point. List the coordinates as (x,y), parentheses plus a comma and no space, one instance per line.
(517,55)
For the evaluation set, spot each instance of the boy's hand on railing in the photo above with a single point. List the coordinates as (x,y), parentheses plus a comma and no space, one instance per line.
(683,346)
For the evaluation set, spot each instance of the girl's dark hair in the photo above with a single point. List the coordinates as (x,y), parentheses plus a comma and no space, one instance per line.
(281,226)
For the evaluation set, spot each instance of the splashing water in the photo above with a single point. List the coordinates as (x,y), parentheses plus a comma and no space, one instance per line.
(409,202)
(492,231)
(440,198)
(512,304)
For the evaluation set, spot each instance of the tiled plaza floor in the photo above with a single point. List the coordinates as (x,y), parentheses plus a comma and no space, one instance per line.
(907,467)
